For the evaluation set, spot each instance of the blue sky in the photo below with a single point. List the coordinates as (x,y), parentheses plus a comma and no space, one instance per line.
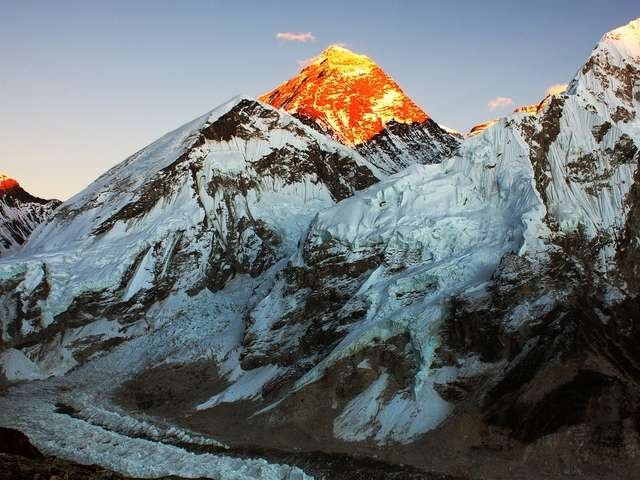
(84,84)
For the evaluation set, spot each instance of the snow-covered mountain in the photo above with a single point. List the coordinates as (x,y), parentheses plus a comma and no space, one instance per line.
(20,213)
(227,194)
(350,98)
(530,109)
(248,280)
(501,284)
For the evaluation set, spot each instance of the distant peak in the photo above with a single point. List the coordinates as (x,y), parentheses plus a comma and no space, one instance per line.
(7,183)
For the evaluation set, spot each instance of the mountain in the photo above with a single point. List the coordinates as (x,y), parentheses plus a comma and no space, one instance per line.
(484,305)
(247,286)
(350,98)
(226,195)
(531,109)
(20,213)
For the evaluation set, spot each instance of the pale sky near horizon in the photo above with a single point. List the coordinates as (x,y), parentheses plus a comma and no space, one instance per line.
(83,84)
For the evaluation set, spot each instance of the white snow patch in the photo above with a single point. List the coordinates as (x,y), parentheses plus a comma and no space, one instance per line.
(16,366)
(356,422)
(247,386)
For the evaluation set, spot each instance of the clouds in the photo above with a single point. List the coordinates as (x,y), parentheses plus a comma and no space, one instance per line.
(296,37)
(499,102)
(556,89)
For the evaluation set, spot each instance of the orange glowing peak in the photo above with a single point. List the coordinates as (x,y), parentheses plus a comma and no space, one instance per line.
(529,109)
(347,94)
(556,89)
(7,183)
(535,108)
(481,127)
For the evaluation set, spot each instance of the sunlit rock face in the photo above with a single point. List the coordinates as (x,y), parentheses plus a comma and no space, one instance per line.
(350,98)
(481,127)
(535,108)
(20,213)
(531,109)
(6,183)
(348,94)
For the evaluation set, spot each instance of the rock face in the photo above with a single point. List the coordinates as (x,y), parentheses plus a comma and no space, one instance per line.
(20,213)
(248,278)
(481,127)
(14,442)
(531,109)
(350,98)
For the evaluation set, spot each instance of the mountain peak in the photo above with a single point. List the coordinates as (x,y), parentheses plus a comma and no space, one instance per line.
(347,94)
(339,49)
(345,60)
(7,183)
(20,213)
(625,40)
(630,30)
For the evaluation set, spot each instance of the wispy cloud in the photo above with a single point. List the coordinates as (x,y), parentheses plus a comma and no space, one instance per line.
(296,37)
(499,102)
(556,89)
